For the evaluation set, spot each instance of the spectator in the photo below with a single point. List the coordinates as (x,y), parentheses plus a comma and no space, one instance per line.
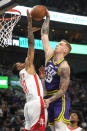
(7,124)
(17,123)
(75,120)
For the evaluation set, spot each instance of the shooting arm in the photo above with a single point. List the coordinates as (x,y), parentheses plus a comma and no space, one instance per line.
(44,36)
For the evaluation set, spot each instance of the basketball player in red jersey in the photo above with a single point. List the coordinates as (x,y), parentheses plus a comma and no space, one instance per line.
(34,111)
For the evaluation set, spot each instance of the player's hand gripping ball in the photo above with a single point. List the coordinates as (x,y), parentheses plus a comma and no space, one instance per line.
(38,12)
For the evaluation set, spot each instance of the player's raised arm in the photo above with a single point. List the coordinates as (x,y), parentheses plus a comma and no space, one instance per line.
(30,54)
(44,36)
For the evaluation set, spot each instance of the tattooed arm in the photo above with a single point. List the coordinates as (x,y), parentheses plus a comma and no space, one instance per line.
(30,53)
(64,83)
(44,36)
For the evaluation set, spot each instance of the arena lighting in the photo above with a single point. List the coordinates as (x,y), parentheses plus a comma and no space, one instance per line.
(76,48)
(3,2)
(23,42)
(3,82)
(58,17)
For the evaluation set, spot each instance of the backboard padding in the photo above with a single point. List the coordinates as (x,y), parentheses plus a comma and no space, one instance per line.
(5,5)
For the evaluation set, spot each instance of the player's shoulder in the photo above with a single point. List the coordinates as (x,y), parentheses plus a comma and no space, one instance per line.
(64,64)
(64,67)
(67,129)
(22,71)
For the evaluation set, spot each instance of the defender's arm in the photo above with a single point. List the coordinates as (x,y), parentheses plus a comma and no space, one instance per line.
(30,53)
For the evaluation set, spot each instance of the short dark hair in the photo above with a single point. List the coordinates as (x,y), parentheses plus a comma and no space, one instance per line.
(15,70)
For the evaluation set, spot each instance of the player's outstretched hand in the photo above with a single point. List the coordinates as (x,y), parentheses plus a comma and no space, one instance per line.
(46,103)
(42,72)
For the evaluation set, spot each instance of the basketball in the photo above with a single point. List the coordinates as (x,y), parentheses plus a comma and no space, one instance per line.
(38,12)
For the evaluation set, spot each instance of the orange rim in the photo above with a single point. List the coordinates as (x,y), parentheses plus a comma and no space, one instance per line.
(11,10)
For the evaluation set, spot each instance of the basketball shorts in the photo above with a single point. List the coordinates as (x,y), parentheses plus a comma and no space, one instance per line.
(35,119)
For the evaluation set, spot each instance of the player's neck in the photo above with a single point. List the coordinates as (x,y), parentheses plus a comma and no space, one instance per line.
(73,126)
(58,57)
(31,70)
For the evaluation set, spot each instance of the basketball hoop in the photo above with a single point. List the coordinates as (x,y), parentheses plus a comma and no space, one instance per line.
(7,25)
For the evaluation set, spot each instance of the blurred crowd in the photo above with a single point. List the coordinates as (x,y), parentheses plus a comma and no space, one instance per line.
(78,7)
(11,109)
(78,97)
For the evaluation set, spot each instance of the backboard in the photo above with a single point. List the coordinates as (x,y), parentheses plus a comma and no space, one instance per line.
(5,5)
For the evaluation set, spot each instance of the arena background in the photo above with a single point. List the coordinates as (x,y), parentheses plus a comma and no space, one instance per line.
(74,33)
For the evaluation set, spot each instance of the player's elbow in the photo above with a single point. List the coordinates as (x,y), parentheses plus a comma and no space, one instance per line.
(43,36)
(64,89)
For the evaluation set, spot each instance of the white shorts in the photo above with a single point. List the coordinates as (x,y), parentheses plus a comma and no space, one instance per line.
(32,112)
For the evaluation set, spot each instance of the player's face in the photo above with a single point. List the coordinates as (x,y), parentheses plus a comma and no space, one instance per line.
(74,117)
(61,47)
(20,65)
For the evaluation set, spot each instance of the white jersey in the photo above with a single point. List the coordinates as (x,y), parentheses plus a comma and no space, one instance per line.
(29,85)
(33,109)
(76,129)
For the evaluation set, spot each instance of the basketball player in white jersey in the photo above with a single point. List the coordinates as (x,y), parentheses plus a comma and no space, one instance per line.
(74,123)
(34,112)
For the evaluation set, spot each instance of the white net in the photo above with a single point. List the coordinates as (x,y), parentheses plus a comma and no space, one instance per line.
(6,27)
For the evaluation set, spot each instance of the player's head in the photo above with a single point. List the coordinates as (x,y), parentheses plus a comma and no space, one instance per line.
(16,68)
(75,117)
(63,47)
